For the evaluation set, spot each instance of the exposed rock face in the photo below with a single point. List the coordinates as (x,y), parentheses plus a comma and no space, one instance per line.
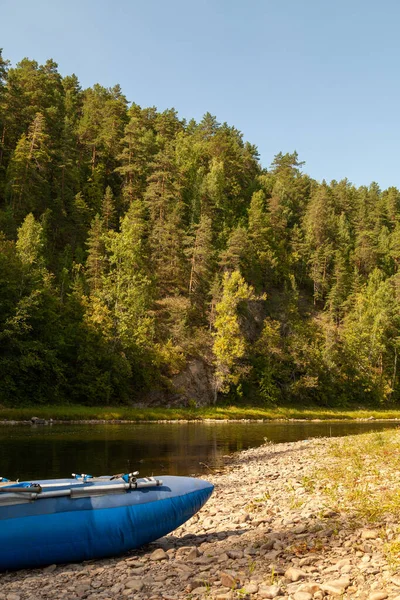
(195,383)
(263,534)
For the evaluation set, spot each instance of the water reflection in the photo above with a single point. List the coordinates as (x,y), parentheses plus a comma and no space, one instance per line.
(180,449)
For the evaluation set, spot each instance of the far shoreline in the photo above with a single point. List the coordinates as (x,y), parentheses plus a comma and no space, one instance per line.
(89,415)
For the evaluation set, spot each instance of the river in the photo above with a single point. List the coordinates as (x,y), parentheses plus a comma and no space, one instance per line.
(34,452)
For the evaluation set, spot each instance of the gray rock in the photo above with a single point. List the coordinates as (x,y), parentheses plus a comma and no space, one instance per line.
(332,590)
(307,560)
(269,591)
(134,584)
(223,558)
(192,554)
(158,554)
(228,580)
(343,582)
(293,574)
(251,588)
(369,534)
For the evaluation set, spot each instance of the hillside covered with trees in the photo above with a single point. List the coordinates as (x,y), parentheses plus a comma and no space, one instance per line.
(139,252)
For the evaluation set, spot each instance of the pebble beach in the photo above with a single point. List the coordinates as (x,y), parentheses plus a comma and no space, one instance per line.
(263,534)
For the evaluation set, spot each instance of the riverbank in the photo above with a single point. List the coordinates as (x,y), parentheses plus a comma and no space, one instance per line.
(129,414)
(301,521)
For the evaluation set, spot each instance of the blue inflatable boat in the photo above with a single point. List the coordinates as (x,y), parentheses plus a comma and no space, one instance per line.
(69,520)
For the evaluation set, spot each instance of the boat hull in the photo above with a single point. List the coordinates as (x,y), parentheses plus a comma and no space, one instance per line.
(60,530)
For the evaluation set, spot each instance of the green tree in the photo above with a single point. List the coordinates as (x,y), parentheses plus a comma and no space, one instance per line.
(108,212)
(138,149)
(371,336)
(229,340)
(96,256)
(30,242)
(166,210)
(28,170)
(201,255)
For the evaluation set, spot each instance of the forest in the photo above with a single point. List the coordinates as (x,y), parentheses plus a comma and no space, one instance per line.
(149,259)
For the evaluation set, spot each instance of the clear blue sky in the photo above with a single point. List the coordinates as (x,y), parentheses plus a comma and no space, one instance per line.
(317,76)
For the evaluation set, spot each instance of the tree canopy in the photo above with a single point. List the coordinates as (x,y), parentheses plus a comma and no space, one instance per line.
(133,242)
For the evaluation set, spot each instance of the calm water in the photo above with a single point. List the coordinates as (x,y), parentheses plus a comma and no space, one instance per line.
(32,452)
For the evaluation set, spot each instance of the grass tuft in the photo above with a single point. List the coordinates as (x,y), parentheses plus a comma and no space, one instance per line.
(362,475)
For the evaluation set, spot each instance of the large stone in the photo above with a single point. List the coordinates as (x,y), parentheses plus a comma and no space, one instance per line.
(307,560)
(369,534)
(134,584)
(199,591)
(343,582)
(228,580)
(343,563)
(222,558)
(378,596)
(192,554)
(251,588)
(300,529)
(269,591)
(159,554)
(332,590)
(293,574)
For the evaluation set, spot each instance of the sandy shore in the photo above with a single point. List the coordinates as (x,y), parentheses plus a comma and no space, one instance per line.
(264,533)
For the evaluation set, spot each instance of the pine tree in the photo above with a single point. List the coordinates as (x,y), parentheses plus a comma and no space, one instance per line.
(164,201)
(236,256)
(201,256)
(320,225)
(138,149)
(263,257)
(108,209)
(28,170)
(129,289)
